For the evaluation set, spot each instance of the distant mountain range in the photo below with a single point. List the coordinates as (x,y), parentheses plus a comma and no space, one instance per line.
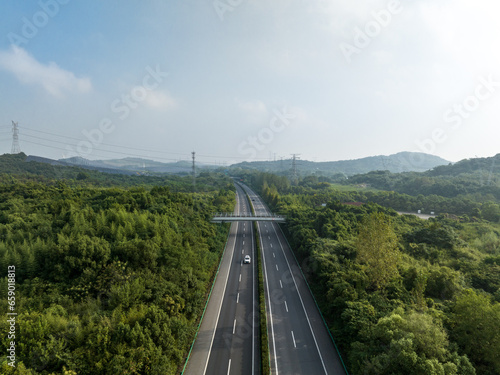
(136,165)
(400,162)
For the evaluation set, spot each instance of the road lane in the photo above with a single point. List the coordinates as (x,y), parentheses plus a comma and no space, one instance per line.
(299,340)
(232,316)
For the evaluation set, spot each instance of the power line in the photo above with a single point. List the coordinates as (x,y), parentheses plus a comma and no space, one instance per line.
(99,144)
(38,138)
(100,155)
(107,144)
(139,149)
(107,151)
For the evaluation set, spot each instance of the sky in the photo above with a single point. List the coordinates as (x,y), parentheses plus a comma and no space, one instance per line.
(248,80)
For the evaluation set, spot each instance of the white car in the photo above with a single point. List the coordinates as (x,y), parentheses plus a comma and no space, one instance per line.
(247,259)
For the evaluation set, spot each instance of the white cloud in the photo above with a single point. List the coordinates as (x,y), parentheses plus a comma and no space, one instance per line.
(341,16)
(255,111)
(55,80)
(383,56)
(161,100)
(464,34)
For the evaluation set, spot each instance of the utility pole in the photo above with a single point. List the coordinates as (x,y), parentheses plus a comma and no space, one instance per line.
(294,168)
(194,170)
(15,139)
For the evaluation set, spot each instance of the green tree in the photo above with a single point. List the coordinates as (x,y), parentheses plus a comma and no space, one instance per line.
(377,247)
(491,211)
(475,326)
(408,343)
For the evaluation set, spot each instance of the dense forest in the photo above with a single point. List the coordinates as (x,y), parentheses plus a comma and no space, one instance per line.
(401,295)
(469,188)
(464,187)
(111,271)
(17,167)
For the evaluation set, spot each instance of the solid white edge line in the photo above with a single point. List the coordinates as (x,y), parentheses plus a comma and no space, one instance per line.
(270,308)
(302,303)
(220,305)
(253,300)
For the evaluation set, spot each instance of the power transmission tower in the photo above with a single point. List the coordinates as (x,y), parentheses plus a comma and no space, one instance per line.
(15,139)
(294,168)
(194,170)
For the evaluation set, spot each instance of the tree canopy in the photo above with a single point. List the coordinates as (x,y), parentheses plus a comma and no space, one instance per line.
(109,279)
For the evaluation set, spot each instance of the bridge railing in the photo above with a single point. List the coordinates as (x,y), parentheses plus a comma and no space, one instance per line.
(229,216)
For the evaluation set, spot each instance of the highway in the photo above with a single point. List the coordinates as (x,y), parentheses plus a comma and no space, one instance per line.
(228,341)
(299,342)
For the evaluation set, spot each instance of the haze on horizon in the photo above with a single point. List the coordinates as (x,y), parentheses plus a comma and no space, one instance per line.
(250,79)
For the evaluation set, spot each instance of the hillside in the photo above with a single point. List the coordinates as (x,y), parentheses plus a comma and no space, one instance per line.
(20,167)
(489,166)
(400,162)
(135,165)
(400,295)
(472,179)
(111,271)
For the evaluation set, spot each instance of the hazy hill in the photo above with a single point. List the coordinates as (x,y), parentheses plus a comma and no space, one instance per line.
(475,179)
(134,165)
(400,162)
(490,165)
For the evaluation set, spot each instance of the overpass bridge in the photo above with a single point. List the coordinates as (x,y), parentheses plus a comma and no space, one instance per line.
(227,217)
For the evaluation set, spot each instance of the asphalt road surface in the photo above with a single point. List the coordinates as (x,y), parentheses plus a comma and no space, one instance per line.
(298,338)
(227,342)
